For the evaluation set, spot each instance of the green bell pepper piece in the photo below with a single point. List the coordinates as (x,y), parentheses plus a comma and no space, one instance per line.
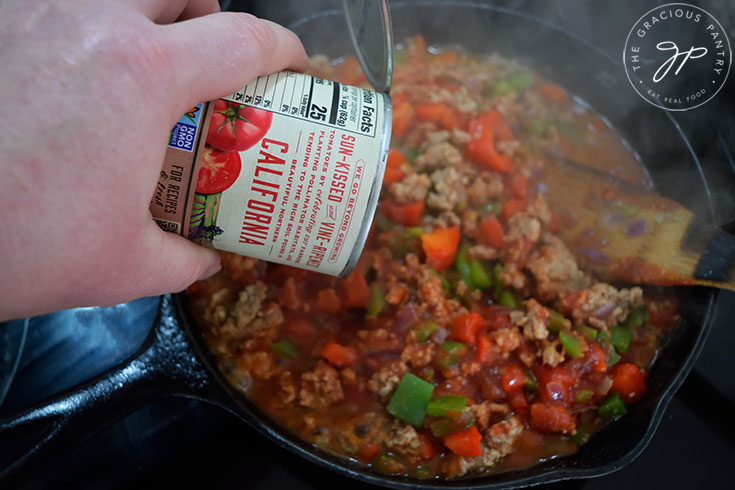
(581,437)
(613,407)
(421,472)
(501,88)
(497,282)
(583,396)
(462,263)
(408,403)
(285,348)
(424,331)
(493,208)
(388,464)
(376,302)
(587,332)
(635,318)
(611,355)
(621,337)
(446,406)
(411,154)
(573,345)
(520,80)
(479,276)
(538,126)
(507,299)
(452,346)
(555,321)
(531,385)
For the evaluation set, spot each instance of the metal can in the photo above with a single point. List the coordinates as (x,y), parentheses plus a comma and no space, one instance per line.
(288,169)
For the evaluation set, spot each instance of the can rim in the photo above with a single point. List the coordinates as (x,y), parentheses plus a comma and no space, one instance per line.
(372,204)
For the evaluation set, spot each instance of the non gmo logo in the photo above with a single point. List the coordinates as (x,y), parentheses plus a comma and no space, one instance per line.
(677,56)
(184,131)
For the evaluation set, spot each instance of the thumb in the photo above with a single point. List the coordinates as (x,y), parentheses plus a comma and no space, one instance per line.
(217,54)
(172,263)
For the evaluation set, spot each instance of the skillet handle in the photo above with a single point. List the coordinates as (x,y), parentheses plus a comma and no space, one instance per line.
(164,365)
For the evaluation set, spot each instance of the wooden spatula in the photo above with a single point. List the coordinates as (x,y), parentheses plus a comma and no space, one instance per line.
(625,233)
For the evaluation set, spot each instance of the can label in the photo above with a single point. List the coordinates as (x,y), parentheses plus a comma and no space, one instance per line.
(290,173)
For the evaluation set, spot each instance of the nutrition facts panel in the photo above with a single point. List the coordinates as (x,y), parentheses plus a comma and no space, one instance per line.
(324,102)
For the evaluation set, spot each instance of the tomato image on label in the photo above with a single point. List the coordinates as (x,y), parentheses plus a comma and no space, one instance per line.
(235,127)
(219,170)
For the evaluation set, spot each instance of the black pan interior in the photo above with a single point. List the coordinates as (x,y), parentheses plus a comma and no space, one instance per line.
(652,133)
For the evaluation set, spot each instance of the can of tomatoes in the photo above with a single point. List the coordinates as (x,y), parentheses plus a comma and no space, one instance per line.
(288,169)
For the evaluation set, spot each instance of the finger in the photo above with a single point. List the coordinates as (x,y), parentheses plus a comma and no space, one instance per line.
(172,263)
(199,8)
(217,54)
(167,11)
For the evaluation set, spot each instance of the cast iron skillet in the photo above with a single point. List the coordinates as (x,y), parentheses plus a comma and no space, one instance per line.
(174,360)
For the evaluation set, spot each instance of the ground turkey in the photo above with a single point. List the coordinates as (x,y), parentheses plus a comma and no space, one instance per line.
(438,156)
(384,381)
(555,270)
(600,306)
(497,443)
(412,188)
(449,189)
(320,387)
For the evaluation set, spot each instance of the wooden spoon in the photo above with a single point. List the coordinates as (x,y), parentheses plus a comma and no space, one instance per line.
(625,233)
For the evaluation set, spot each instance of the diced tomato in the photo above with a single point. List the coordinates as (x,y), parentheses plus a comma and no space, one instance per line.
(485,348)
(490,232)
(465,442)
(447,57)
(327,301)
(290,294)
(438,113)
(440,247)
(404,214)
(518,402)
(598,125)
(355,289)
(402,115)
(554,226)
(552,92)
(393,172)
(496,321)
(367,452)
(512,377)
(512,207)
(416,51)
(339,355)
(518,183)
(427,450)
(466,327)
(552,417)
(485,130)
(301,327)
(662,312)
(349,72)
(481,151)
(628,381)
(596,358)
(555,383)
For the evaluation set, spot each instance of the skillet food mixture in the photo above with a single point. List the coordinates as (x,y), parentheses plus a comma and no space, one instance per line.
(467,339)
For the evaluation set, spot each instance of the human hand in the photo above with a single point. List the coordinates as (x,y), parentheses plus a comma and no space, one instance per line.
(89,90)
